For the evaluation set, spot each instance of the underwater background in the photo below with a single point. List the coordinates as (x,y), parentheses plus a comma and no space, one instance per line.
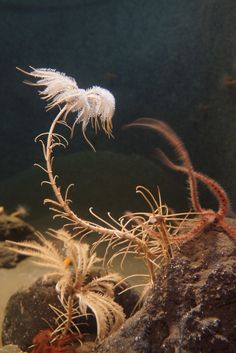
(170,60)
(173,60)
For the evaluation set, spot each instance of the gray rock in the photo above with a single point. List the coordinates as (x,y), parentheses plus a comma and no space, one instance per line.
(12,228)
(192,307)
(28,312)
(8,259)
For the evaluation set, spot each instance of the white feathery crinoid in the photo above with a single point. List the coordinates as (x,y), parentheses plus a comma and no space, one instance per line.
(95,105)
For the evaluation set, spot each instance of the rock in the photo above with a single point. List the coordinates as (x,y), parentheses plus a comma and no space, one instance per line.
(28,312)
(127,300)
(192,307)
(12,228)
(8,259)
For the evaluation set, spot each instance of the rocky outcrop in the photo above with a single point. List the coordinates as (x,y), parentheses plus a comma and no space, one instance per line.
(192,307)
(28,312)
(12,228)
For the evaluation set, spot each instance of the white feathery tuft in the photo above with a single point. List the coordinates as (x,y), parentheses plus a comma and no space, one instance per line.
(61,89)
(102,104)
(95,105)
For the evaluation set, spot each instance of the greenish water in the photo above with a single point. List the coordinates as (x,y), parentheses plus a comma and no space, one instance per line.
(105,181)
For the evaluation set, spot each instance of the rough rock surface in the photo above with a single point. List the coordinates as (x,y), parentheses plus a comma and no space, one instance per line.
(27,313)
(8,259)
(192,307)
(12,228)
